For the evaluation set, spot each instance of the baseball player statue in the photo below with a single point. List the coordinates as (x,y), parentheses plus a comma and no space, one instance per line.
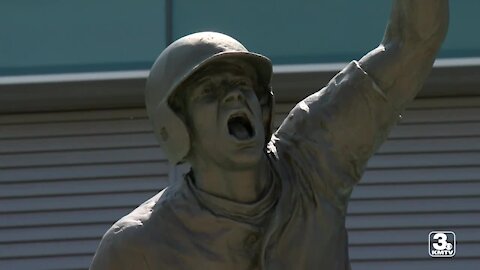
(257,199)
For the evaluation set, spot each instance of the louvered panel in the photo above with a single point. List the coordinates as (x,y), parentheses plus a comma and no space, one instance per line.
(82,186)
(436,130)
(67,176)
(65,218)
(107,141)
(72,262)
(419,175)
(420,160)
(429,204)
(75,202)
(47,249)
(432,190)
(444,202)
(421,220)
(406,236)
(73,128)
(52,233)
(83,171)
(138,154)
(413,116)
(282,109)
(73,116)
(429,145)
(425,177)
(391,212)
(406,252)
(440,103)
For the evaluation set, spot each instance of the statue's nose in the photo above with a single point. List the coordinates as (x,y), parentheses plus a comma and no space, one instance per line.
(234,95)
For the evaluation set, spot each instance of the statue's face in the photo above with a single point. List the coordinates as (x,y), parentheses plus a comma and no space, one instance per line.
(225,118)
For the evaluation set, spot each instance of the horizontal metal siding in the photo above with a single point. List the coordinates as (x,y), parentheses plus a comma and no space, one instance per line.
(425,177)
(66,177)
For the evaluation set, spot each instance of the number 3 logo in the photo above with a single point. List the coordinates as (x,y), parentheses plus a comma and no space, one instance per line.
(442,243)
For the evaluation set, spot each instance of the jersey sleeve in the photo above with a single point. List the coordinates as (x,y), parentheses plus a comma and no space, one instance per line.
(331,134)
(116,253)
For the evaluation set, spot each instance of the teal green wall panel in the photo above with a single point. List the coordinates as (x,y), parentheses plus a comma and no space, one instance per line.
(58,35)
(315,31)
(51,36)
(463,38)
(289,31)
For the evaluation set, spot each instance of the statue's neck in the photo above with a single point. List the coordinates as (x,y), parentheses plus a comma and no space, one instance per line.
(245,186)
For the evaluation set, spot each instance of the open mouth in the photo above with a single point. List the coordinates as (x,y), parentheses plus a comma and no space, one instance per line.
(239,126)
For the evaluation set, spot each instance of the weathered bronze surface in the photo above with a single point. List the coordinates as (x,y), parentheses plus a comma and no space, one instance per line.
(254,200)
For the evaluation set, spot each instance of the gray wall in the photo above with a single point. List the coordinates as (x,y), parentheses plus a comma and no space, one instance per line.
(65,177)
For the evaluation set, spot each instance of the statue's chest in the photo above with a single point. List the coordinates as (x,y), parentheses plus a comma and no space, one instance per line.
(306,234)
(300,232)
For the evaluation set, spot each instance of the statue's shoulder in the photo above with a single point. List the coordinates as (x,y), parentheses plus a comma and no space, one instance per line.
(124,243)
(136,227)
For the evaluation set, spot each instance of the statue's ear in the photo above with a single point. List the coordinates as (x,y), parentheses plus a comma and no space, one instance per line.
(171,132)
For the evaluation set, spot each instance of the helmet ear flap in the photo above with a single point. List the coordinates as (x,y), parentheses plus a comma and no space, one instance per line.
(171,133)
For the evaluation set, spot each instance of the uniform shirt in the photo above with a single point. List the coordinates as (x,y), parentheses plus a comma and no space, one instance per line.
(315,158)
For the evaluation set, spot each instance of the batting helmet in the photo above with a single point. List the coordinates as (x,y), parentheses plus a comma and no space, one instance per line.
(176,64)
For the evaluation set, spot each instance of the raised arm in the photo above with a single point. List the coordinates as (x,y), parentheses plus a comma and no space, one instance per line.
(340,127)
(401,63)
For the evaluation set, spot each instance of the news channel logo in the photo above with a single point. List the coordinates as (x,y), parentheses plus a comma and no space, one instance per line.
(442,244)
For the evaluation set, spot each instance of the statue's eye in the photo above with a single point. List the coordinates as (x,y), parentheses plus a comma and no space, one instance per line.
(203,91)
(207,91)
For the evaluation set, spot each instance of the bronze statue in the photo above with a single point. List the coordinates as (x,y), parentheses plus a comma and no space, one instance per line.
(254,200)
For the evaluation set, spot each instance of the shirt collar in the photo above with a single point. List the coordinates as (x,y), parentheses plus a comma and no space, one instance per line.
(252,213)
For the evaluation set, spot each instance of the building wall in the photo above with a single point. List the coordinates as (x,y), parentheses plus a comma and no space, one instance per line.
(58,36)
(65,177)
